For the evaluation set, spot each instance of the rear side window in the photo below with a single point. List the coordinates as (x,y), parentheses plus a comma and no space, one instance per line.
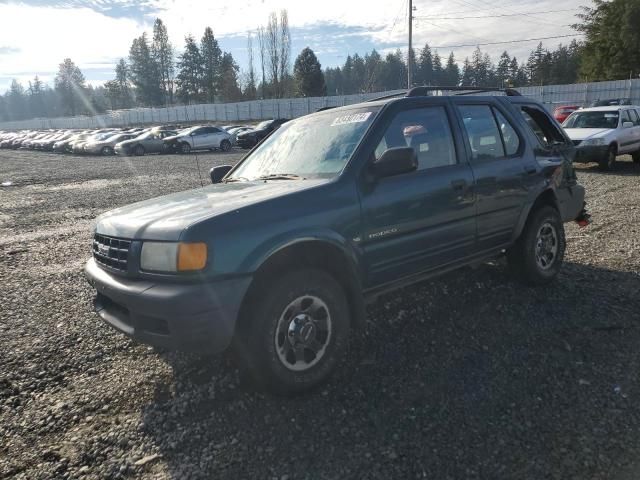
(626,116)
(482,131)
(542,126)
(635,117)
(509,135)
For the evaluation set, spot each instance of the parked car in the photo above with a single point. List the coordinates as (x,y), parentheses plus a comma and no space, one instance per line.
(202,137)
(280,253)
(602,133)
(251,138)
(107,145)
(148,142)
(234,132)
(560,113)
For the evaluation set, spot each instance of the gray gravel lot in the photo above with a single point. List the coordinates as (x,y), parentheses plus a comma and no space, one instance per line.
(468,376)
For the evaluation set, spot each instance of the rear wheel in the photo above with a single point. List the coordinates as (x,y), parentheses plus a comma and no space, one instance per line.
(106,151)
(225,145)
(295,331)
(537,256)
(139,150)
(609,162)
(185,147)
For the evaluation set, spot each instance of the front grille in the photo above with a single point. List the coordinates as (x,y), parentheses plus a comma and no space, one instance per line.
(577,142)
(111,252)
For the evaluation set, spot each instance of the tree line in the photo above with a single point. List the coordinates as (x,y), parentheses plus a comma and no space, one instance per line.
(153,75)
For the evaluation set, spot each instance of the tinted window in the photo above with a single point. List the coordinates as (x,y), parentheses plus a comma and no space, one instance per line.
(427,130)
(542,126)
(635,117)
(482,131)
(626,116)
(509,135)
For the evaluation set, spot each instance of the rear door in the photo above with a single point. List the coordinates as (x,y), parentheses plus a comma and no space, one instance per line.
(627,137)
(424,219)
(501,167)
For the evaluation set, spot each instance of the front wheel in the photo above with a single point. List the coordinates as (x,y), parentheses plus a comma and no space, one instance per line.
(537,256)
(609,162)
(225,145)
(185,147)
(106,151)
(295,332)
(139,150)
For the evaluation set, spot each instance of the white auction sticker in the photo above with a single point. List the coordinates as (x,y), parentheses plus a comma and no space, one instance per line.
(353,118)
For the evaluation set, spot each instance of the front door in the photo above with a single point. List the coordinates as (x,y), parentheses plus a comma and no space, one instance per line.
(424,219)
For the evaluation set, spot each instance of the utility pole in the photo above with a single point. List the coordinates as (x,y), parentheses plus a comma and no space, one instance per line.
(410,52)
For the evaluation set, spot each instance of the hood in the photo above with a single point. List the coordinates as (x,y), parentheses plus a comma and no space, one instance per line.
(164,218)
(584,133)
(171,138)
(250,133)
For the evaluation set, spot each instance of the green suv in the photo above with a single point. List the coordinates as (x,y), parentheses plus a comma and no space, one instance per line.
(279,255)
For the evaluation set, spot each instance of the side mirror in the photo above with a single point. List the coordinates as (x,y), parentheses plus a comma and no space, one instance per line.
(395,161)
(218,173)
(627,124)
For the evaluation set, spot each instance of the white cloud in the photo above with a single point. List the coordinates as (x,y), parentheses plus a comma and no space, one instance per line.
(47,35)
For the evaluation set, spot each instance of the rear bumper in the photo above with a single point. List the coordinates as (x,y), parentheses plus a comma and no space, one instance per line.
(189,317)
(588,154)
(571,202)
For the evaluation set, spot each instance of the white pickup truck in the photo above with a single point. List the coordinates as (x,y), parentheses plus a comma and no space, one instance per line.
(602,133)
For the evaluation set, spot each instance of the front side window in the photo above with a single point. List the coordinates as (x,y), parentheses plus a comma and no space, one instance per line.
(482,131)
(425,129)
(318,145)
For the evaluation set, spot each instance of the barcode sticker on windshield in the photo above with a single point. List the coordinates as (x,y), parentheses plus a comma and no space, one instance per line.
(353,118)
(610,115)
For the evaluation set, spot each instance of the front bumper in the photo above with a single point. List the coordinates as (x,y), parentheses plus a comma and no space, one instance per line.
(591,153)
(194,317)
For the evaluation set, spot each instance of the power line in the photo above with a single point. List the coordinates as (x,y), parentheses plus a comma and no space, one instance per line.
(508,41)
(494,16)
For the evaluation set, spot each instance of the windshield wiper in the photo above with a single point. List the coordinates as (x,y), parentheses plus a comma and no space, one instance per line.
(280,176)
(236,179)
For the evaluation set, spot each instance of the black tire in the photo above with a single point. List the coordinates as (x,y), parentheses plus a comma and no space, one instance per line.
(139,150)
(636,157)
(185,148)
(609,162)
(264,326)
(106,151)
(527,258)
(225,145)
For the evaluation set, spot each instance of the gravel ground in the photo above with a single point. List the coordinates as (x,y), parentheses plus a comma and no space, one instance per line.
(468,376)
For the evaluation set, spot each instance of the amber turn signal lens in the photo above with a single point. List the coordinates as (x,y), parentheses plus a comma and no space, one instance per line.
(192,256)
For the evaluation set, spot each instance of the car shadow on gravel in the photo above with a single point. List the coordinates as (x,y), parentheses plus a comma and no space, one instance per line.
(466,376)
(623,167)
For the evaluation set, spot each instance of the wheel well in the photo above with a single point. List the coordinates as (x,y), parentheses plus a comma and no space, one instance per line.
(545,198)
(614,145)
(310,254)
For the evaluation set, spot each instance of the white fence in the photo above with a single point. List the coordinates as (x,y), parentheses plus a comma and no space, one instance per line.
(580,94)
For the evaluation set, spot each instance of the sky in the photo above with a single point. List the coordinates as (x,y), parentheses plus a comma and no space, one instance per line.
(36,35)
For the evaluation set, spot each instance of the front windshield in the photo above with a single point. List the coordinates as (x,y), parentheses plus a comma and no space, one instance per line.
(312,146)
(601,119)
(264,124)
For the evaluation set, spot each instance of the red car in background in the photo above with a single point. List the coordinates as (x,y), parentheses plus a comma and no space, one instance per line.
(563,111)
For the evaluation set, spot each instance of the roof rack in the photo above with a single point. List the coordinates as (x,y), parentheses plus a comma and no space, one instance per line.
(424,91)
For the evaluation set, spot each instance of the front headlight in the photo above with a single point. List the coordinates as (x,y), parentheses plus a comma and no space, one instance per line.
(173,257)
(593,141)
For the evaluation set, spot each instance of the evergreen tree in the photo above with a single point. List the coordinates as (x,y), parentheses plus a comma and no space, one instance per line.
(612,40)
(16,101)
(211,65)
(144,72)
(162,55)
(468,75)
(394,71)
(451,72)
(229,89)
(358,74)
(425,67)
(190,75)
(307,72)
(70,85)
(374,72)
(37,107)
(250,91)
(503,74)
(438,71)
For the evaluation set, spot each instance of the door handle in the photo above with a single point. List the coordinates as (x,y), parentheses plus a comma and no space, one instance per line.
(459,184)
